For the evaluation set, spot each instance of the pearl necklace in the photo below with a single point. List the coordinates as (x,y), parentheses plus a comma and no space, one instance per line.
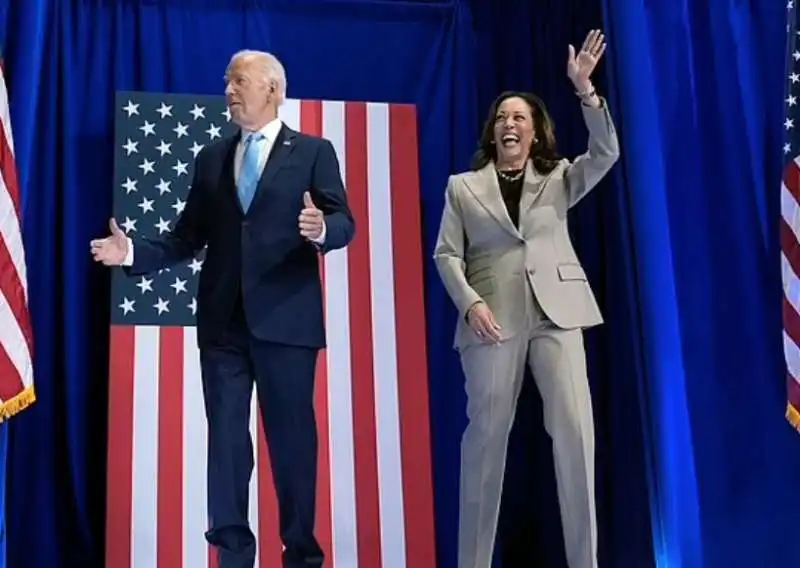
(507,177)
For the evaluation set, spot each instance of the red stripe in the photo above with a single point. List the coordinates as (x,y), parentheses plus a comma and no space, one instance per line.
(412,370)
(9,170)
(791,179)
(794,392)
(790,246)
(791,321)
(364,428)
(269,537)
(170,447)
(119,483)
(11,287)
(311,117)
(10,379)
(311,123)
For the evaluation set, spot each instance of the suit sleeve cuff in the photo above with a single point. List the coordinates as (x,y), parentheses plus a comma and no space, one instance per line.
(468,301)
(319,240)
(598,119)
(128,261)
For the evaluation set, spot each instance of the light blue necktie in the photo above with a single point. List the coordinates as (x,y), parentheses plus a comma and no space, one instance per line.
(248,174)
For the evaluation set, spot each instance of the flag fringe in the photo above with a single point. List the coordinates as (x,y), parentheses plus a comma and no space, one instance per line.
(793,416)
(17,404)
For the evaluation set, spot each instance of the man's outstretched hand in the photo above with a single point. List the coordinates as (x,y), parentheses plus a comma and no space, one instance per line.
(113,249)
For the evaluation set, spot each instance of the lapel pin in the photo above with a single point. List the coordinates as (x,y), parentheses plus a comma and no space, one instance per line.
(287,143)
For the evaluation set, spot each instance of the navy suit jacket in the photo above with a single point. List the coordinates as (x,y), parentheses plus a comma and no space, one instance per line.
(260,253)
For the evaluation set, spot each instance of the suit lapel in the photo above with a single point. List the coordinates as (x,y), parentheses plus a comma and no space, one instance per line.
(281,149)
(486,189)
(228,178)
(484,186)
(531,188)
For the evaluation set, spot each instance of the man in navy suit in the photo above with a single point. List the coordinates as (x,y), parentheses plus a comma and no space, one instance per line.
(265,203)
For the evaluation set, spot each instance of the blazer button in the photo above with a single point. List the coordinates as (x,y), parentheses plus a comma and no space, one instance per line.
(245,224)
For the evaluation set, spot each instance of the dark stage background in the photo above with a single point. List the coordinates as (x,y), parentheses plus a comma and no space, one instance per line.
(696,466)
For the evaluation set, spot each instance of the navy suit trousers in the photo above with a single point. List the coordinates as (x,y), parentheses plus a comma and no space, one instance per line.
(284,379)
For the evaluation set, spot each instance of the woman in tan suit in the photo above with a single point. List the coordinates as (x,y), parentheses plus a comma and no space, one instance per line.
(506,260)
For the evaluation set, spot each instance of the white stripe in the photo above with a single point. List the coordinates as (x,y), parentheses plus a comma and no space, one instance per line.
(195,448)
(253,497)
(342,465)
(289,113)
(790,211)
(10,233)
(791,288)
(791,283)
(792,357)
(5,112)
(13,341)
(387,411)
(144,521)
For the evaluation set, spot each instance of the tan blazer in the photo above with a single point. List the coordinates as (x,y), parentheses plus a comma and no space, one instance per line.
(480,255)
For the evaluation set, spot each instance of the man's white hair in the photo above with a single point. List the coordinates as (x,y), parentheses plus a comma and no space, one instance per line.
(269,65)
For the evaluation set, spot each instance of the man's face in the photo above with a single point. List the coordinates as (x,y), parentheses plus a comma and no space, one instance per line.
(249,95)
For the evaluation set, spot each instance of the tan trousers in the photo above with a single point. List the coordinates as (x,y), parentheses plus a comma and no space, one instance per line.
(494,375)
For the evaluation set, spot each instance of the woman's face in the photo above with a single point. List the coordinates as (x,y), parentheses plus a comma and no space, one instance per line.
(513,131)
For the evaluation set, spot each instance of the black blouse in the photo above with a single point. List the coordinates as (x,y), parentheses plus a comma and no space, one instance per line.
(511,192)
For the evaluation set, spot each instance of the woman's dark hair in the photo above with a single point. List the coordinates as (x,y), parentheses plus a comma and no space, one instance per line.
(544,154)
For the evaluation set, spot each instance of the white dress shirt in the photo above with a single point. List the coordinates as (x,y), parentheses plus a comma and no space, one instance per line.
(270,132)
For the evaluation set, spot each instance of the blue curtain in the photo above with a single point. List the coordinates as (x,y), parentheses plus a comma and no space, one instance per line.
(699,88)
(680,245)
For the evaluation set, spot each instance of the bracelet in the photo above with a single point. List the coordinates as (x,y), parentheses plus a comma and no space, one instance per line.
(473,306)
(587,95)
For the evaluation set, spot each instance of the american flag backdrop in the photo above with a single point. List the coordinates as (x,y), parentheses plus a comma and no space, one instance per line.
(790,224)
(16,338)
(374,496)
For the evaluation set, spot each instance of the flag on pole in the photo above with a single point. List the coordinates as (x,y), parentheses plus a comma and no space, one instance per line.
(374,505)
(16,339)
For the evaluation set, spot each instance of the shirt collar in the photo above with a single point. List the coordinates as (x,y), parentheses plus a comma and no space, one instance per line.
(270,130)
